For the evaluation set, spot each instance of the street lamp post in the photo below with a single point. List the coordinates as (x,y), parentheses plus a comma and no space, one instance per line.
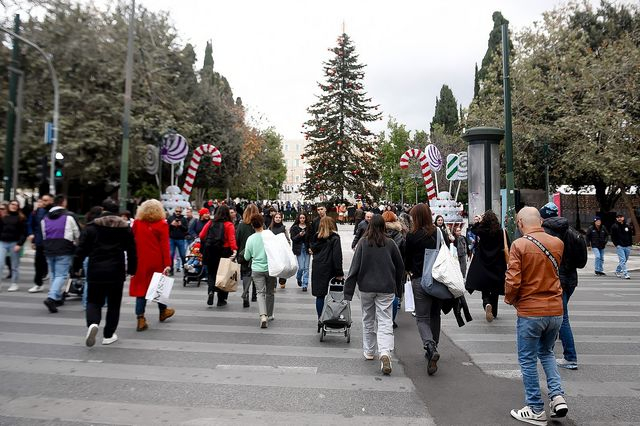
(402,191)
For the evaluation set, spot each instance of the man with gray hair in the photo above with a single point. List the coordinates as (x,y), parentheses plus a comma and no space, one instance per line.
(532,286)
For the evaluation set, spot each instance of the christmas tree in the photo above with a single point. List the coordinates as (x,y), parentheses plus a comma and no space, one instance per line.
(341,152)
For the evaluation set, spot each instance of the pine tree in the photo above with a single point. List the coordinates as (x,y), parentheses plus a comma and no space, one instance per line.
(446,112)
(476,83)
(342,152)
(493,45)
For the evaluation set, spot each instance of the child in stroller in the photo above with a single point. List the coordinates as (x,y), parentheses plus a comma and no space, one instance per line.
(194,270)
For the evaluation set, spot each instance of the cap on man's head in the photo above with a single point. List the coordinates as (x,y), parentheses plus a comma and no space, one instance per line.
(620,215)
(597,218)
(549,210)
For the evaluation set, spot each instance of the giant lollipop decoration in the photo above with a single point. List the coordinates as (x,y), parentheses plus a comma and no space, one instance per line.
(424,166)
(216,159)
(434,157)
(174,148)
(151,160)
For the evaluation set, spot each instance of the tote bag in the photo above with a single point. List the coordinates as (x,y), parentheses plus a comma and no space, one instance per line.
(430,285)
(409,301)
(227,275)
(281,260)
(160,288)
(446,270)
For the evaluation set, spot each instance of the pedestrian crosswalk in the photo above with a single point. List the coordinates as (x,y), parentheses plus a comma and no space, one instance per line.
(206,365)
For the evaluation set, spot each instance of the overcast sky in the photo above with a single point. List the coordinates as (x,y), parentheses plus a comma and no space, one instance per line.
(272,51)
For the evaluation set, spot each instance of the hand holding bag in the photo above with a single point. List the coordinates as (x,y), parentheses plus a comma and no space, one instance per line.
(227,275)
(281,260)
(160,288)
(446,269)
(430,285)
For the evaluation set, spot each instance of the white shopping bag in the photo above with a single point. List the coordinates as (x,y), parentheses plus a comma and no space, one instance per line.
(282,262)
(160,288)
(409,301)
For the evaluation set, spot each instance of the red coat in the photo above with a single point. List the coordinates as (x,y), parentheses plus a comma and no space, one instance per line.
(152,246)
(229,235)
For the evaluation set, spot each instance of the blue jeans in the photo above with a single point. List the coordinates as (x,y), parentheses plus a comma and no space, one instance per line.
(303,267)
(319,305)
(623,256)
(396,306)
(7,248)
(141,304)
(536,337)
(566,335)
(59,271)
(599,254)
(181,245)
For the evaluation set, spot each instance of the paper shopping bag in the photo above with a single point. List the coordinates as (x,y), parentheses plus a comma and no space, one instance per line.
(409,302)
(227,275)
(160,288)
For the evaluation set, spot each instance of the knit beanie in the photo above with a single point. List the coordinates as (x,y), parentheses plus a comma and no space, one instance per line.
(549,210)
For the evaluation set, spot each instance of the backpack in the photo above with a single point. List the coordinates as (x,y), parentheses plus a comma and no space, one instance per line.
(215,237)
(575,249)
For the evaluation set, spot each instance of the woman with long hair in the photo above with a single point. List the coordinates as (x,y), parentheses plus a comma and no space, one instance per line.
(243,231)
(488,265)
(300,246)
(377,269)
(265,284)
(396,231)
(151,232)
(13,234)
(423,236)
(327,261)
(220,227)
(446,233)
(277,227)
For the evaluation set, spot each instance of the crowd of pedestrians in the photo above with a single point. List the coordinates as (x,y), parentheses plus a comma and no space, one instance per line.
(536,273)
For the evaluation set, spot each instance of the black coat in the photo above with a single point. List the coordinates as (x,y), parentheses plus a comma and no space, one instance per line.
(297,240)
(13,227)
(327,263)
(597,238)
(622,234)
(488,266)
(558,226)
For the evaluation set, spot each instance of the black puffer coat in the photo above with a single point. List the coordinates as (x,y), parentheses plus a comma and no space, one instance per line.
(597,238)
(488,266)
(558,226)
(327,263)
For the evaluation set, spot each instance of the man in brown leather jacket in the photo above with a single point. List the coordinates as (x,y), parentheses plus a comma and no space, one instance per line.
(532,286)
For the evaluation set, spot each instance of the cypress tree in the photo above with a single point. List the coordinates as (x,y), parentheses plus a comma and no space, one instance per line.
(446,113)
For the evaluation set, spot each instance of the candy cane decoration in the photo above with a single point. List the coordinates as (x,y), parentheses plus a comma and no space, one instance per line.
(424,165)
(216,159)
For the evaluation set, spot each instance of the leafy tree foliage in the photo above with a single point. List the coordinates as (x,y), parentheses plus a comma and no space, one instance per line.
(446,113)
(341,155)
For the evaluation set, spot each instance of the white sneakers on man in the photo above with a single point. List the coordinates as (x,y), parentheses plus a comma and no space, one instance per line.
(90,340)
(13,287)
(35,289)
(110,340)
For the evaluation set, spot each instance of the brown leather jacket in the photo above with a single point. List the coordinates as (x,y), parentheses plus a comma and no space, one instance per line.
(532,284)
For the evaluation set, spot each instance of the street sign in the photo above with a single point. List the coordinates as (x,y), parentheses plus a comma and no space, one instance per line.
(48,133)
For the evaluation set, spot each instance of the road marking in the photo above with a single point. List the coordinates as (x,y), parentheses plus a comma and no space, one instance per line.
(268,368)
(586,359)
(581,338)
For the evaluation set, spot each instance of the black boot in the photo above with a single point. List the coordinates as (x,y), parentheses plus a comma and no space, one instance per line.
(432,356)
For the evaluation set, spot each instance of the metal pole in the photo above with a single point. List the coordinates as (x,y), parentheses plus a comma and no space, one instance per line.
(508,137)
(56,104)
(16,136)
(546,172)
(124,161)
(11,110)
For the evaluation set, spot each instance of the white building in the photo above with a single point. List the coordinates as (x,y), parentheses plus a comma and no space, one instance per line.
(292,150)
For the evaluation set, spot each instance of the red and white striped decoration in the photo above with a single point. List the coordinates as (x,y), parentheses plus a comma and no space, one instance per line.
(216,159)
(424,165)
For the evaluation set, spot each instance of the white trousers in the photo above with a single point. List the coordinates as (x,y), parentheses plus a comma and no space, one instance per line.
(377,322)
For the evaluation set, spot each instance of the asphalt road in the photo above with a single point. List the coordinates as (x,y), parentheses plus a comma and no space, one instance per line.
(211,365)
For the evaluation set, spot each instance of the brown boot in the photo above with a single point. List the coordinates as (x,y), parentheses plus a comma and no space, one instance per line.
(167,313)
(142,323)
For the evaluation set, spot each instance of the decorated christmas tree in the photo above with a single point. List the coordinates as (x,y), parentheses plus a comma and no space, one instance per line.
(341,151)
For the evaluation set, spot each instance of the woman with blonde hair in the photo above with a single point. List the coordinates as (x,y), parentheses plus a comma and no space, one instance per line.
(151,232)
(243,231)
(327,260)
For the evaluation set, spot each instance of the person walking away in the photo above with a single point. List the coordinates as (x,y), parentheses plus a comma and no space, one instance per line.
(533,288)
(105,241)
(197,225)
(315,224)
(327,261)
(219,237)
(377,269)
(243,231)
(362,226)
(93,213)
(448,238)
(277,227)
(423,236)
(40,261)
(13,234)
(597,237)
(151,235)
(300,246)
(60,235)
(358,216)
(393,229)
(486,272)
(265,284)
(178,229)
(460,242)
(622,237)
(574,255)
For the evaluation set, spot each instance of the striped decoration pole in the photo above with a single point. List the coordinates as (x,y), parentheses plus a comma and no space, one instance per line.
(424,166)
(216,159)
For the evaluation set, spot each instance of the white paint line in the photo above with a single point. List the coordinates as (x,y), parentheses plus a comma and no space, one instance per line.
(268,368)
(581,338)
(586,359)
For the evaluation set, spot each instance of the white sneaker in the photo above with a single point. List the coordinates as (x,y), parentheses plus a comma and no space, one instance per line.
(13,287)
(271,317)
(35,289)
(618,274)
(110,340)
(385,364)
(526,414)
(558,407)
(263,321)
(368,356)
(90,340)
(569,365)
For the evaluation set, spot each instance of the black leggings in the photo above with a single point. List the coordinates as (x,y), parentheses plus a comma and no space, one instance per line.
(491,298)
(96,294)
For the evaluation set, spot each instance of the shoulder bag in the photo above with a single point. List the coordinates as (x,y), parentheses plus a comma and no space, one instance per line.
(446,270)
(427,282)
(545,251)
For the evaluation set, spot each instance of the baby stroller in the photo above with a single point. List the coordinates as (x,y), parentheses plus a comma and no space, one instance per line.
(336,314)
(194,270)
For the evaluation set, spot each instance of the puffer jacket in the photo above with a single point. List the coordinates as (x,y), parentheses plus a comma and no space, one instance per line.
(597,238)
(395,232)
(558,226)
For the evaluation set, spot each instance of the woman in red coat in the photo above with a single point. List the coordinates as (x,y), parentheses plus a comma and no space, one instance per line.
(151,233)
(221,225)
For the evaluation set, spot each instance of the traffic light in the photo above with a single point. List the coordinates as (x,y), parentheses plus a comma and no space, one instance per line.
(58,171)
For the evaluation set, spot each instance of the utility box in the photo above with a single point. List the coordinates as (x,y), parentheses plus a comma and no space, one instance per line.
(483,169)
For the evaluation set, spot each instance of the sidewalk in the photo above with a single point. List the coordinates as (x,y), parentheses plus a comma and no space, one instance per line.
(611,261)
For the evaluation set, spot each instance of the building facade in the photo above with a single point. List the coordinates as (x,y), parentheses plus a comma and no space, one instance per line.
(296,166)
